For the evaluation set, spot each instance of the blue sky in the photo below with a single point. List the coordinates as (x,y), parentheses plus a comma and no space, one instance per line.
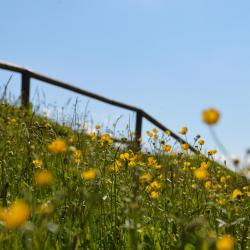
(171,58)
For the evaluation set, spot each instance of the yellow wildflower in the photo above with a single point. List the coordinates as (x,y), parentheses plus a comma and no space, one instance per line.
(157,166)
(37,163)
(155,130)
(89,175)
(132,164)
(106,138)
(167,132)
(153,163)
(186,165)
(43,178)
(212,152)
(132,133)
(93,136)
(116,166)
(155,185)
(225,243)
(222,202)
(223,179)
(208,184)
(236,194)
(217,187)
(204,165)
(166,148)
(124,156)
(154,195)
(77,161)
(148,188)
(77,156)
(16,215)
(149,134)
(210,116)
(183,131)
(201,142)
(97,126)
(145,178)
(77,153)
(185,146)
(201,173)
(57,146)
(156,137)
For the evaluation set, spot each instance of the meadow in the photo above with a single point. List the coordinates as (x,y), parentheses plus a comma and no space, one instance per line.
(67,189)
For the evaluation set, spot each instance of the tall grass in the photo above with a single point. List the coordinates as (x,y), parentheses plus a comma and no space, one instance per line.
(88,192)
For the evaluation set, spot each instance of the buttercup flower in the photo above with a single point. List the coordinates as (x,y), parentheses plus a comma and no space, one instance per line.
(185,146)
(106,138)
(210,116)
(16,215)
(149,134)
(186,165)
(204,165)
(57,146)
(37,163)
(222,202)
(208,184)
(132,133)
(43,178)
(89,175)
(116,166)
(212,152)
(225,243)
(201,173)
(237,194)
(167,132)
(154,195)
(201,142)
(155,130)
(155,185)
(145,178)
(183,131)
(166,148)
(97,126)
(124,156)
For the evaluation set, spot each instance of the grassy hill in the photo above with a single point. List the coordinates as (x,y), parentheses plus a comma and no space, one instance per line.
(65,189)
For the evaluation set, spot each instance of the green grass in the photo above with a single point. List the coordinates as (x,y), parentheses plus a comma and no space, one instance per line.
(115,210)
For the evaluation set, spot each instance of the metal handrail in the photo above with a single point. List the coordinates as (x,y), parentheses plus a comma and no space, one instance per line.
(140,114)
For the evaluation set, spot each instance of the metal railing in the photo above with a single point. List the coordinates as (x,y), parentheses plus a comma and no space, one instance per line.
(27,75)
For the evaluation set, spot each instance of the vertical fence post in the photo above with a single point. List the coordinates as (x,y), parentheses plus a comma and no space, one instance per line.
(138,128)
(25,90)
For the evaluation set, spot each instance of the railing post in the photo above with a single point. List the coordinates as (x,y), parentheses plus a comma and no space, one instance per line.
(25,90)
(138,128)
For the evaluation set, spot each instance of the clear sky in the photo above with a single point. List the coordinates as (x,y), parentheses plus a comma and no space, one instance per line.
(171,58)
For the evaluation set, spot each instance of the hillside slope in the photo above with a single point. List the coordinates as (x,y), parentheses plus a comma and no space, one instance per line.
(62,189)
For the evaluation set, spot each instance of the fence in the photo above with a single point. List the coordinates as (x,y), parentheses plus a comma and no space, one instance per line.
(27,75)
